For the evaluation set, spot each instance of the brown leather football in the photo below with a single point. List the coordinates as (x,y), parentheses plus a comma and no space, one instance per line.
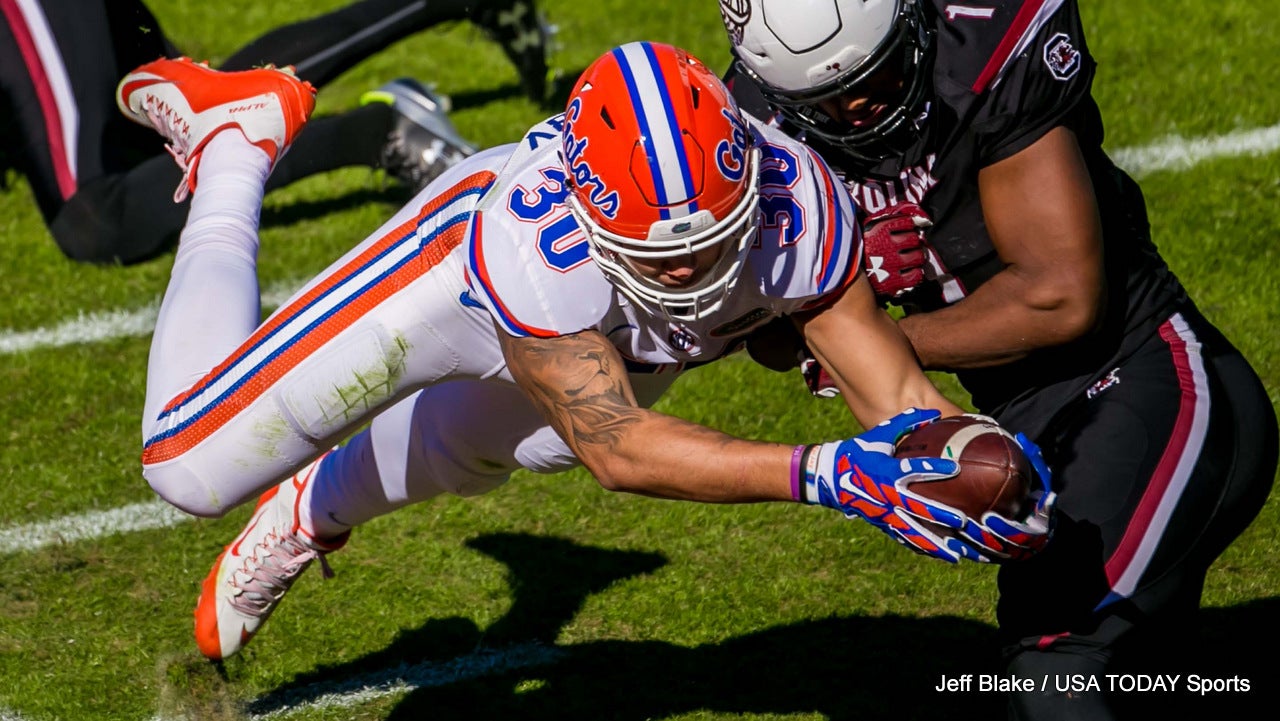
(994,475)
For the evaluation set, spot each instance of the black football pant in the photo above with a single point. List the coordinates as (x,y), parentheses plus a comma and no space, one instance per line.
(1159,467)
(103,183)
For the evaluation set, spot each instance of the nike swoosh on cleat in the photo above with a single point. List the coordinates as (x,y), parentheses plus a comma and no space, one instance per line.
(300,487)
(310,473)
(133,86)
(235,547)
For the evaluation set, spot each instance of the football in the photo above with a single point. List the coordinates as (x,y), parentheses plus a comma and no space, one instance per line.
(994,474)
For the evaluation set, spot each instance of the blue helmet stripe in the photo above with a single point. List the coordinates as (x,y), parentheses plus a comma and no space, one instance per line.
(654,112)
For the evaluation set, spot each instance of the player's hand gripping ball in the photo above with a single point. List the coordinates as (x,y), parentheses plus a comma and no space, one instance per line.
(994,473)
(1002,485)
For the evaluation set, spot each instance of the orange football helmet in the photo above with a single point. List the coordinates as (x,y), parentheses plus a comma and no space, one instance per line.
(660,165)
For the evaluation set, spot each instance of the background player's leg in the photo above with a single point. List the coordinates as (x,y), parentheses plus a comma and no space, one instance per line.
(125,217)
(129,217)
(59,65)
(323,47)
(354,138)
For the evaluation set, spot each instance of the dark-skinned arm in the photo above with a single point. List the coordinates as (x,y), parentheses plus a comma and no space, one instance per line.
(580,385)
(1043,219)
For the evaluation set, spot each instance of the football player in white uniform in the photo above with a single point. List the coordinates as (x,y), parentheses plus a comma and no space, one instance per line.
(559,283)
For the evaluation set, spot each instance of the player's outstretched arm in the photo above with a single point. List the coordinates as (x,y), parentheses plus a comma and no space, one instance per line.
(869,358)
(580,384)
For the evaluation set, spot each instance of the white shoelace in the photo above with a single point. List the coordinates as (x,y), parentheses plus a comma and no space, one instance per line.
(269,572)
(177,132)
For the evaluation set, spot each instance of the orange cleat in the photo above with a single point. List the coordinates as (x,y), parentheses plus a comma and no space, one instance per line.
(188,103)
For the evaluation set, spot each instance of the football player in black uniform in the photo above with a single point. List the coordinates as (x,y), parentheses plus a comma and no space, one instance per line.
(101,186)
(1022,255)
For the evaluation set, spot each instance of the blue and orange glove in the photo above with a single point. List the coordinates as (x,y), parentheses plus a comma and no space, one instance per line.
(861,477)
(1006,539)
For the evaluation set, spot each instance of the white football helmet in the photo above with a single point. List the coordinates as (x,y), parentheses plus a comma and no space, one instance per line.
(801,52)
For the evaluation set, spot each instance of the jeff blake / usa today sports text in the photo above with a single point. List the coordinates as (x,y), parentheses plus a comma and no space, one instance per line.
(1113,682)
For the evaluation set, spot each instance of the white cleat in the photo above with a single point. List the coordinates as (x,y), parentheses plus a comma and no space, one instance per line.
(253,574)
(423,142)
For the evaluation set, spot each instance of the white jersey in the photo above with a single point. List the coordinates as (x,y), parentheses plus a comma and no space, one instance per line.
(528,264)
(490,242)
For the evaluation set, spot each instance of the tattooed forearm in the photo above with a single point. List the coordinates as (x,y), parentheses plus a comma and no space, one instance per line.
(579,384)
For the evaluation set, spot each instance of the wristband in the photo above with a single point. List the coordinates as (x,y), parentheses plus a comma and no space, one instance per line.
(804,474)
(809,467)
(797,459)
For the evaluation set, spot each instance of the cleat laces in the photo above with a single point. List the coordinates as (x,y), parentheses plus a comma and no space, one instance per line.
(178,132)
(269,571)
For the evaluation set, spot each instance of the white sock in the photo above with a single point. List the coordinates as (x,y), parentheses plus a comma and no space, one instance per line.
(211,304)
(228,198)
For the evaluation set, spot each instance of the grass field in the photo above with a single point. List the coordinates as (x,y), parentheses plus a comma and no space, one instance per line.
(551,598)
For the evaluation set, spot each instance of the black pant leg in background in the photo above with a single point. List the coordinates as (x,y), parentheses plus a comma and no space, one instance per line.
(61,124)
(324,47)
(117,206)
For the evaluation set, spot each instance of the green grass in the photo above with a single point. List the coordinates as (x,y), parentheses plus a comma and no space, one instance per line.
(657,609)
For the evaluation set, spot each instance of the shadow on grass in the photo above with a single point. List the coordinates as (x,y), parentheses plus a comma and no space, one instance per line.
(838,668)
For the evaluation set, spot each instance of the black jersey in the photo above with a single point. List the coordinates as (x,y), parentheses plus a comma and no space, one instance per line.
(1005,73)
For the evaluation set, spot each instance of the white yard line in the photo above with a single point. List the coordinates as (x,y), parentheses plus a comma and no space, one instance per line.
(399,680)
(88,328)
(90,526)
(349,692)
(1176,153)
(108,325)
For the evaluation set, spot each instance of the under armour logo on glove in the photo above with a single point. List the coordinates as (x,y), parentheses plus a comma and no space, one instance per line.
(896,250)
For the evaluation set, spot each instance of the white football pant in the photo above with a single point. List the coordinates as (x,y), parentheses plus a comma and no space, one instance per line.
(386,336)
